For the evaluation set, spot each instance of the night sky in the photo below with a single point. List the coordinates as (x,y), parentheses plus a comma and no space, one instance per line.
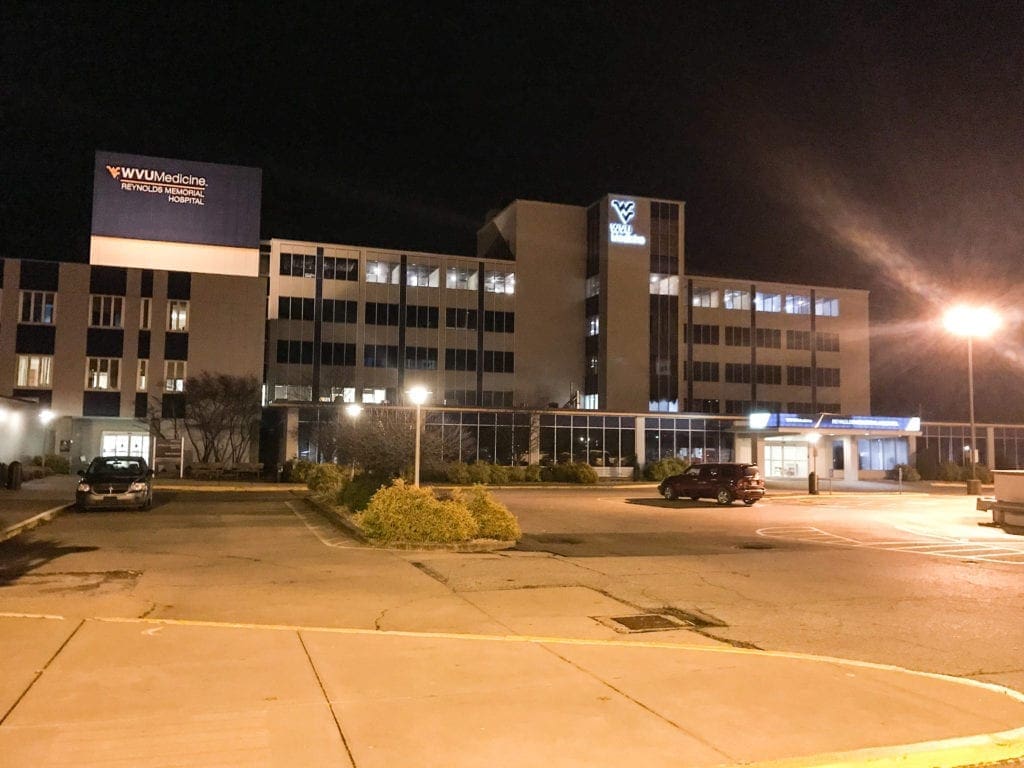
(876,146)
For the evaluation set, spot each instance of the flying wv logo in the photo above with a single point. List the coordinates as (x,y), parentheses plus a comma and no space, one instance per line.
(626,209)
(114,171)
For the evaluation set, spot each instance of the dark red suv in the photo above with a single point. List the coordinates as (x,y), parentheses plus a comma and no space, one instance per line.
(722,482)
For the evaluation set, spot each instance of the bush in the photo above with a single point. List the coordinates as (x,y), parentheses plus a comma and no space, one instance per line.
(493,519)
(910,474)
(479,472)
(950,472)
(533,473)
(326,478)
(457,472)
(356,494)
(403,513)
(500,474)
(58,464)
(573,472)
(296,470)
(663,468)
(517,474)
(982,472)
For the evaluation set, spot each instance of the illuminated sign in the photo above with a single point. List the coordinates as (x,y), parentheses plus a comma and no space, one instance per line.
(621,231)
(835,423)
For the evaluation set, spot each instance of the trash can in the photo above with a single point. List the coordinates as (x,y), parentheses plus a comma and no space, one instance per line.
(974,487)
(812,483)
(3,475)
(14,476)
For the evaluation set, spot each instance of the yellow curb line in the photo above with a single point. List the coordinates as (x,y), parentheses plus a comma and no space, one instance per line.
(33,522)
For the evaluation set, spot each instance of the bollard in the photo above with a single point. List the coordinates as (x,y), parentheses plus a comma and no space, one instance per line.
(812,483)
(14,476)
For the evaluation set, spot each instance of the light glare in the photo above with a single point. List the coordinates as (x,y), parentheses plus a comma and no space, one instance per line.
(965,320)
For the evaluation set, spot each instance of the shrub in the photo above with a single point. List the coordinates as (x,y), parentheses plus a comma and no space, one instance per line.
(663,468)
(950,472)
(500,474)
(910,474)
(517,474)
(457,472)
(573,472)
(356,494)
(296,470)
(58,464)
(493,519)
(533,473)
(408,514)
(982,472)
(326,478)
(479,472)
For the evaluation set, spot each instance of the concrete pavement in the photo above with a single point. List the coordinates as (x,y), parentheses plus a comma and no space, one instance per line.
(533,679)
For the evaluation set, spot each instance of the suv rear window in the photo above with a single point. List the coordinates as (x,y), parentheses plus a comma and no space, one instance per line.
(751,471)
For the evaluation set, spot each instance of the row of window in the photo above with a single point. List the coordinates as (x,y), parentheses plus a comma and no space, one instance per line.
(101,373)
(377,313)
(386,356)
(389,273)
(769,338)
(39,308)
(745,407)
(744,373)
(789,303)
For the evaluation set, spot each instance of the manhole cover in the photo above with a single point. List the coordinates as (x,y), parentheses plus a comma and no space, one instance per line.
(756,545)
(647,622)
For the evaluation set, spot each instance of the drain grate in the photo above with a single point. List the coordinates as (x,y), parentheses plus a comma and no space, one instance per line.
(755,545)
(646,622)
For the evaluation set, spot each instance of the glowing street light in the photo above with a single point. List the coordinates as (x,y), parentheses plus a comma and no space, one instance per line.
(964,320)
(419,396)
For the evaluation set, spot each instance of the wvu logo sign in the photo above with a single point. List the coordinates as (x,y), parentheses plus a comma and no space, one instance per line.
(621,232)
(115,172)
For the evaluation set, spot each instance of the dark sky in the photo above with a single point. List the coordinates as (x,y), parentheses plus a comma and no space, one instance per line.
(876,146)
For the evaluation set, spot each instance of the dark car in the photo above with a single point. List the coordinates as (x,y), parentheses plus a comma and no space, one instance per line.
(114,482)
(722,482)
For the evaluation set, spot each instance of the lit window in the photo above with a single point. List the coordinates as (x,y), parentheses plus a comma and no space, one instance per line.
(826,307)
(37,307)
(141,379)
(768,302)
(106,312)
(422,276)
(35,371)
(735,299)
(798,305)
(383,272)
(594,285)
(343,394)
(590,402)
(705,297)
(174,375)
(177,315)
(593,325)
(102,373)
(374,396)
(461,278)
(145,311)
(664,285)
(500,282)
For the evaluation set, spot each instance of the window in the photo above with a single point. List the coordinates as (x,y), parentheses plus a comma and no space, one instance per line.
(737,407)
(37,307)
(460,359)
(705,297)
(737,336)
(294,352)
(145,313)
(798,375)
(828,377)
(338,354)
(735,299)
(825,307)
(343,394)
(421,358)
(767,302)
(294,308)
(142,377)
(702,334)
(769,338)
(177,315)
(499,322)
(460,318)
(827,342)
(381,314)
(662,285)
(422,276)
(593,326)
(461,278)
(798,305)
(499,362)
(737,373)
(374,396)
(174,375)
(298,264)
(383,272)
(769,374)
(594,285)
(798,339)
(380,356)
(496,281)
(102,373)
(703,371)
(35,371)
(421,317)
(340,269)
(338,311)
(106,312)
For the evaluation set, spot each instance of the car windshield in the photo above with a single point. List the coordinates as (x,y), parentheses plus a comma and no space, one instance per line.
(112,466)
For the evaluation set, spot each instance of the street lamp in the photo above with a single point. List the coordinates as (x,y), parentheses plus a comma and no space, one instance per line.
(353,411)
(963,320)
(419,396)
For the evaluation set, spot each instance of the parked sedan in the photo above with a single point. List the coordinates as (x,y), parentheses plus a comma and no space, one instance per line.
(722,482)
(115,482)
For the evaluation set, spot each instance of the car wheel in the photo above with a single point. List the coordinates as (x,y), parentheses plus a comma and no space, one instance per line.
(148,505)
(669,494)
(723,496)
(750,502)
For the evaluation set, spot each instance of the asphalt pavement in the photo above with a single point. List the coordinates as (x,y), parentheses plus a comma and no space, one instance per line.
(138,691)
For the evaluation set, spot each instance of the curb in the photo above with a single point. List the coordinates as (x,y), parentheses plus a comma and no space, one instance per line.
(33,522)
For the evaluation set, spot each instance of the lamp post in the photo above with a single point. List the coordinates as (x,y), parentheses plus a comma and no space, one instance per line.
(419,396)
(353,411)
(812,475)
(46,417)
(964,320)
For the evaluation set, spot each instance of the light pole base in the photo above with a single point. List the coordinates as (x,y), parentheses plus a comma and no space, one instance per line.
(974,487)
